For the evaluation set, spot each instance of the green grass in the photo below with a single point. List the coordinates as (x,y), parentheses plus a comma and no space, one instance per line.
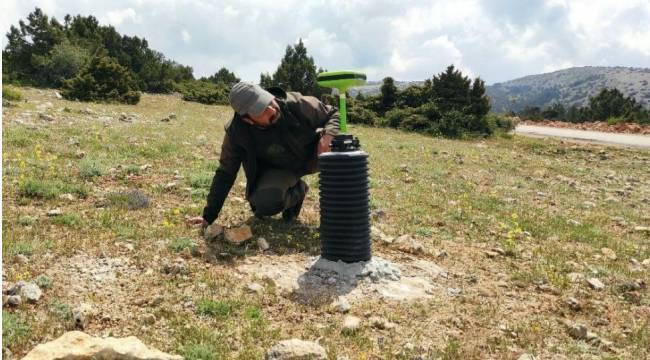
(11,93)
(14,329)
(221,309)
(180,244)
(50,189)
(71,220)
(90,169)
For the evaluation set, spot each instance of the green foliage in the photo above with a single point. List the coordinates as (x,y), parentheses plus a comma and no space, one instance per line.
(223,76)
(43,282)
(71,220)
(103,79)
(362,115)
(216,308)
(205,92)
(43,52)
(296,72)
(14,329)
(11,94)
(90,169)
(49,189)
(612,103)
(388,96)
(451,90)
(131,200)
(180,244)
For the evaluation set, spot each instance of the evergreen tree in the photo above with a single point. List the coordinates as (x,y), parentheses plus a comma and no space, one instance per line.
(479,101)
(224,76)
(451,90)
(297,71)
(612,103)
(266,81)
(388,94)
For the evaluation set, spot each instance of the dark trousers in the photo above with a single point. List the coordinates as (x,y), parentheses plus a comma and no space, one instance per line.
(275,191)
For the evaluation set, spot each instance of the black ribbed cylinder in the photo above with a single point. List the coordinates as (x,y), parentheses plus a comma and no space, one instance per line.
(344,206)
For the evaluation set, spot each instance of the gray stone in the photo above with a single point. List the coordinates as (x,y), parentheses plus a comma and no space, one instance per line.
(526,357)
(21,259)
(238,235)
(577,331)
(212,231)
(341,304)
(409,244)
(262,244)
(296,349)
(255,288)
(30,292)
(595,284)
(148,319)
(574,304)
(46,117)
(14,300)
(55,212)
(381,323)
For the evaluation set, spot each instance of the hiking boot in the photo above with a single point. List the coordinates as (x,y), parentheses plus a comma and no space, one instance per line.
(291,214)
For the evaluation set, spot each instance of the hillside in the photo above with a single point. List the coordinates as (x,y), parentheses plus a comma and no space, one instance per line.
(571,86)
(507,246)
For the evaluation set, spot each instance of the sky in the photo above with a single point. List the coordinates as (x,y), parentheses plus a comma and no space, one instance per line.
(498,40)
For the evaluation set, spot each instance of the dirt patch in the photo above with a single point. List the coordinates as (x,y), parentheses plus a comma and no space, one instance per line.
(603,126)
(317,281)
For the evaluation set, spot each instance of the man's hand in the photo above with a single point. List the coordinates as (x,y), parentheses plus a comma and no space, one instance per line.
(324,143)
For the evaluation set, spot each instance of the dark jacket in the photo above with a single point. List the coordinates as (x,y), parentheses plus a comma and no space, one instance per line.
(301,118)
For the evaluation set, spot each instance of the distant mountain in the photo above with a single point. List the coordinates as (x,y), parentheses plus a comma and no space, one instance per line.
(571,86)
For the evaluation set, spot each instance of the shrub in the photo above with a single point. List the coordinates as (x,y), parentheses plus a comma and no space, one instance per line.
(178,245)
(11,94)
(89,169)
(71,220)
(49,189)
(205,92)
(361,115)
(393,118)
(131,200)
(216,309)
(415,122)
(14,329)
(102,79)
(454,124)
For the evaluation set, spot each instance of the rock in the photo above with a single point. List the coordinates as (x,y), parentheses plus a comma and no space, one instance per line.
(577,331)
(30,292)
(575,277)
(646,262)
(81,316)
(262,244)
(172,116)
(588,205)
(212,231)
(341,304)
(165,119)
(21,259)
(88,111)
(608,253)
(46,117)
(239,235)
(176,267)
(595,284)
(351,323)
(170,185)
(442,254)
(645,229)
(68,197)
(14,300)
(296,349)
(58,95)
(80,154)
(491,254)
(255,288)
(378,214)
(55,212)
(378,235)
(381,323)
(573,222)
(574,304)
(409,244)
(148,319)
(80,346)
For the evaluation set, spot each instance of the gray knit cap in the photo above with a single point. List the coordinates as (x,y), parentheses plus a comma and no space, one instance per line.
(251,99)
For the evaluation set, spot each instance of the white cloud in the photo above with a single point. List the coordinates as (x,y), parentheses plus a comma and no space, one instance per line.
(408,39)
(186,36)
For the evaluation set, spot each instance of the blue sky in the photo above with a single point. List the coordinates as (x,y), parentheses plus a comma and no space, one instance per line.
(498,40)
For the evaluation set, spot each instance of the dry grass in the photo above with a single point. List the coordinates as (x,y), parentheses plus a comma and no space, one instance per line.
(463,197)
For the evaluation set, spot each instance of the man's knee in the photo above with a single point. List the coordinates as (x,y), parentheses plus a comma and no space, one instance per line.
(268,202)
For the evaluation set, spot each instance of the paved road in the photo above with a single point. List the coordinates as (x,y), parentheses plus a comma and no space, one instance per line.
(584,135)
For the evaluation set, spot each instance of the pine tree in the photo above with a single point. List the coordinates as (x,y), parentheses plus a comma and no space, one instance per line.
(297,71)
(479,101)
(224,76)
(388,94)
(451,90)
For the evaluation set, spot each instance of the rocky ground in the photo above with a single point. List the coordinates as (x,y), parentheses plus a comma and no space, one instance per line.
(508,248)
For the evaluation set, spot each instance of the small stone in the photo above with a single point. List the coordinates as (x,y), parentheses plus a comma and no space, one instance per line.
(148,319)
(296,349)
(608,253)
(31,292)
(55,212)
(351,323)
(165,119)
(575,277)
(409,244)
(58,95)
(68,197)
(80,154)
(381,323)
(646,262)
(176,267)
(170,185)
(577,331)
(588,205)
(21,259)
(239,235)
(14,300)
(645,229)
(46,117)
(526,357)
(574,304)
(442,255)
(491,254)
(81,316)
(595,284)
(453,291)
(341,304)
(573,222)
(262,244)
(172,116)
(88,111)
(255,288)
(212,231)
(378,214)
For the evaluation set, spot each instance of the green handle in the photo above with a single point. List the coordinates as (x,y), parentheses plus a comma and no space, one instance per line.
(343,118)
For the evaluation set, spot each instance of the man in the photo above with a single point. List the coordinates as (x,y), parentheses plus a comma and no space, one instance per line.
(277,137)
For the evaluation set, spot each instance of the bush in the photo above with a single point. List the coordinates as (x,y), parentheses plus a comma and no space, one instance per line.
(90,169)
(415,122)
(60,64)
(131,200)
(454,124)
(205,92)
(501,122)
(49,189)
(394,118)
(360,115)
(11,94)
(103,79)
